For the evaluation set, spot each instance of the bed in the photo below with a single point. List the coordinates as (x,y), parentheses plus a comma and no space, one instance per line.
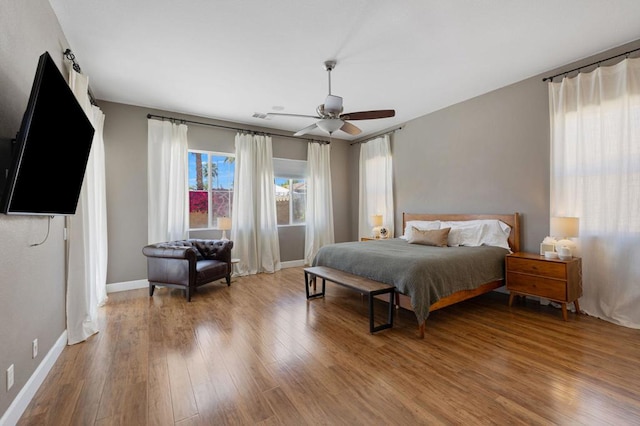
(428,278)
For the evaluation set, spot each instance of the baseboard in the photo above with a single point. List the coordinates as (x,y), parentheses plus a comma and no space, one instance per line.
(291,264)
(127,285)
(17,407)
(136,284)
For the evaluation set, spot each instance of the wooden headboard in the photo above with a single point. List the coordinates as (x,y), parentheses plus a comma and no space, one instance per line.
(513,220)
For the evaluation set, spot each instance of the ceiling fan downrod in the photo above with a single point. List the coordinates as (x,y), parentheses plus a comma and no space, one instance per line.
(329,66)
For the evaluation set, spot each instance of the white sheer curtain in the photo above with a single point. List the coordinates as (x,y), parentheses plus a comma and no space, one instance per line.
(376,185)
(254,229)
(319,210)
(168,202)
(595,175)
(87,232)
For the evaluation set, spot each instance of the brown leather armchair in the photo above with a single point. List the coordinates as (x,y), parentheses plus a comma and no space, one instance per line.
(188,264)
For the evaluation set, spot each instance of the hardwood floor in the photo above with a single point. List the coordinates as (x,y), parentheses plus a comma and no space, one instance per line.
(258,353)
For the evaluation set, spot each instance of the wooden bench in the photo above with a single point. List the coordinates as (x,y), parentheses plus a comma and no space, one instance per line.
(354,282)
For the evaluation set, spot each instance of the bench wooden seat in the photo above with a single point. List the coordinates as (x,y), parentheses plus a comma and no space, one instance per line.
(353,282)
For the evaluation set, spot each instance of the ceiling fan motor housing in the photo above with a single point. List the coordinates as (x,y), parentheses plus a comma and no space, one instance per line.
(333,105)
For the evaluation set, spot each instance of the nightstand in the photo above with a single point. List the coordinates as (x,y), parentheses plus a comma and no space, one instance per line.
(368,239)
(530,274)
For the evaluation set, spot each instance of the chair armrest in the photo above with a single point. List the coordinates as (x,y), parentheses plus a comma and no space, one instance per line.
(170,252)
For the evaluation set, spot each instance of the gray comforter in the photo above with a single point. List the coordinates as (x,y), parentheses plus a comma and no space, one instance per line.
(424,273)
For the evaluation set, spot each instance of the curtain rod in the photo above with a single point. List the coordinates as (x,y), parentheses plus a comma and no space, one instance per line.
(593,63)
(378,135)
(76,67)
(237,129)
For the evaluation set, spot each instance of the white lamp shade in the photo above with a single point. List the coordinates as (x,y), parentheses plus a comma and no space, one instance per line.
(376,219)
(565,227)
(224,223)
(330,125)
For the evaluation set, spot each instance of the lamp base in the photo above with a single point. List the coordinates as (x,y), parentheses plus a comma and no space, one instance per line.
(375,232)
(224,235)
(567,243)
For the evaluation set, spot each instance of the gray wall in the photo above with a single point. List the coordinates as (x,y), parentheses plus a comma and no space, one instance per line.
(125,136)
(32,279)
(489,154)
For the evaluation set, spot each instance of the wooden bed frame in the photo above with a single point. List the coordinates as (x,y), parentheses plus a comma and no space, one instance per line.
(513,220)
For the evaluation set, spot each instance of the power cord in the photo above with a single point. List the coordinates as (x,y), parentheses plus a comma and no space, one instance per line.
(47,236)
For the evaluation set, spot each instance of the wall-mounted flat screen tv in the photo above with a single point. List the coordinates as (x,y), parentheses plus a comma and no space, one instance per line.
(51,149)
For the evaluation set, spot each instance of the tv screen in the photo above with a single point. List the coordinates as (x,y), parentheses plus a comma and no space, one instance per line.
(50,153)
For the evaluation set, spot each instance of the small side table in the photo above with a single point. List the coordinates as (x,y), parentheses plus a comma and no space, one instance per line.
(233,262)
(554,279)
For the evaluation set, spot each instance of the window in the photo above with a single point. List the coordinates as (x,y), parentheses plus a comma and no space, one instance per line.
(291,199)
(290,189)
(210,187)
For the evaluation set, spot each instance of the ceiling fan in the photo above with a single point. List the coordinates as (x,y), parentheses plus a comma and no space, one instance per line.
(330,116)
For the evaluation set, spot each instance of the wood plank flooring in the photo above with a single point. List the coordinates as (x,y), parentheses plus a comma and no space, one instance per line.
(258,353)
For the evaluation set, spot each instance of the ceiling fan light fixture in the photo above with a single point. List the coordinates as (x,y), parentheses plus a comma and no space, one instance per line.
(330,125)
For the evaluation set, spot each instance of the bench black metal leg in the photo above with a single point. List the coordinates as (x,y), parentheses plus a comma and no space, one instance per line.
(391,304)
(371,327)
(389,324)
(308,278)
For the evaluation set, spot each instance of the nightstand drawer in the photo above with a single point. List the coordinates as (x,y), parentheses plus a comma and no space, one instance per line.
(537,286)
(534,267)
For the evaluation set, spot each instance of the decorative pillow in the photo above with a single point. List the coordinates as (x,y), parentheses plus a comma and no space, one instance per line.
(422,225)
(429,237)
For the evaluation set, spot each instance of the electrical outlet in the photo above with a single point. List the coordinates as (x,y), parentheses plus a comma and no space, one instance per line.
(34,348)
(10,377)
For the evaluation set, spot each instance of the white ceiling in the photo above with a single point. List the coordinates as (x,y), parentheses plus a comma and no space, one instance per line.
(227,59)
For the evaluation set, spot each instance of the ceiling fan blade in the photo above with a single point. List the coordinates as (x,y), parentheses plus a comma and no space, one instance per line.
(292,115)
(368,115)
(305,130)
(350,128)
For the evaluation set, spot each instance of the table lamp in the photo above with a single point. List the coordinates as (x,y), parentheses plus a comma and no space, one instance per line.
(564,228)
(224,223)
(376,219)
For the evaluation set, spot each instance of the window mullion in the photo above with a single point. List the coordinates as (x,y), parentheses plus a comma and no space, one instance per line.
(210,191)
(290,201)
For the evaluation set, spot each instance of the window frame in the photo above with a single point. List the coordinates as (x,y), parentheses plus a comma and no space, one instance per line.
(210,225)
(291,179)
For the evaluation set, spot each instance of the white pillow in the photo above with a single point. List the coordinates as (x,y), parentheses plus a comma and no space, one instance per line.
(465,236)
(496,234)
(422,225)
(490,232)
